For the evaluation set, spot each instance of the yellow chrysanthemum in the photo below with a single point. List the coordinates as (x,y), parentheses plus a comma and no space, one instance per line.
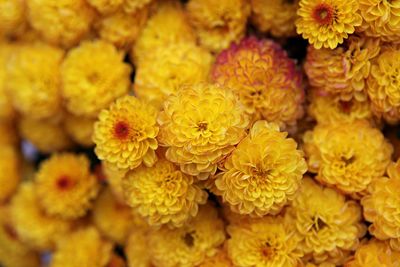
(263,173)
(264,78)
(65,186)
(114,178)
(220,259)
(201,124)
(275,16)
(80,129)
(84,247)
(61,22)
(218,23)
(32,224)
(137,248)
(325,221)
(6,108)
(106,7)
(189,245)
(12,17)
(10,173)
(343,71)
(347,155)
(375,253)
(133,6)
(266,242)
(94,75)
(163,194)
(125,134)
(326,23)
(112,217)
(178,64)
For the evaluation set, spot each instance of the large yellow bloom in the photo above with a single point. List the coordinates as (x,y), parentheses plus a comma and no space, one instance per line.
(263,173)
(10,171)
(12,17)
(326,23)
(137,248)
(65,186)
(201,124)
(125,134)
(189,245)
(94,75)
(163,194)
(264,78)
(80,129)
(347,155)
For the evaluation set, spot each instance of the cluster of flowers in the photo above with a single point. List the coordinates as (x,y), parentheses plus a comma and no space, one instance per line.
(220,150)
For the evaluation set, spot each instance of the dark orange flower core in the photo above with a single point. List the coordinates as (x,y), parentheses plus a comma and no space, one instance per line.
(324,14)
(64,182)
(121,130)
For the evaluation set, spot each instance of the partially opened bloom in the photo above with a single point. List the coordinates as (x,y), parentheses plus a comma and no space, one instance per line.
(263,173)
(199,125)
(12,17)
(80,129)
(326,23)
(10,171)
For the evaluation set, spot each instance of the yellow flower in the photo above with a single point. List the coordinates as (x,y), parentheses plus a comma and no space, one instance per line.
(137,248)
(114,178)
(35,91)
(189,245)
(343,71)
(218,23)
(65,186)
(265,242)
(375,253)
(80,129)
(132,6)
(84,247)
(33,225)
(163,194)
(94,75)
(125,134)
(12,17)
(178,64)
(61,22)
(220,259)
(325,221)
(326,23)
(347,155)
(275,16)
(263,173)
(106,7)
(201,124)
(10,174)
(264,78)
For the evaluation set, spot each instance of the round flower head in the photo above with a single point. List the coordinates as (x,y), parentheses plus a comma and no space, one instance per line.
(94,75)
(220,259)
(106,7)
(133,6)
(61,22)
(178,64)
(218,23)
(84,247)
(347,155)
(325,221)
(342,71)
(163,194)
(200,125)
(10,174)
(65,186)
(190,244)
(32,224)
(263,173)
(326,23)
(137,248)
(275,16)
(114,178)
(80,129)
(125,134)
(267,242)
(12,17)
(264,78)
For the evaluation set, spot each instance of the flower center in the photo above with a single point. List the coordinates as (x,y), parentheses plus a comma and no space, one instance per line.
(323,14)
(64,182)
(318,224)
(121,130)
(347,161)
(202,126)
(189,239)
(346,106)
(268,251)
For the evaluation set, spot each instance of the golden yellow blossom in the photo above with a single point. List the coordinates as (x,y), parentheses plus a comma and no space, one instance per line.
(80,129)
(10,171)
(12,17)
(220,259)
(106,7)
(133,6)
(137,248)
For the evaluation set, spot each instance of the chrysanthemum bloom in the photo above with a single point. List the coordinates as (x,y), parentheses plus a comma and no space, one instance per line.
(125,134)
(84,247)
(12,17)
(267,242)
(61,22)
(163,194)
(347,155)
(93,76)
(80,129)
(189,245)
(33,225)
(112,217)
(326,23)
(133,6)
(178,64)
(137,248)
(275,16)
(10,173)
(65,186)
(200,124)
(264,78)
(342,71)
(106,7)
(263,173)
(220,259)
(375,253)
(114,178)
(218,23)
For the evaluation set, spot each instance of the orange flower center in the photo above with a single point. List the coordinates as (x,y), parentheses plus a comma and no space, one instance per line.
(324,14)
(189,239)
(268,251)
(121,130)
(346,106)
(202,126)
(64,182)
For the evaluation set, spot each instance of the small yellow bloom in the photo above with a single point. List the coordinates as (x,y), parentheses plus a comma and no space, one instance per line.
(80,129)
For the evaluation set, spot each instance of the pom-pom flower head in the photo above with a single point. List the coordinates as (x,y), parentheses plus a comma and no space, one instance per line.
(262,173)
(125,134)
(326,23)
(199,125)
(264,78)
